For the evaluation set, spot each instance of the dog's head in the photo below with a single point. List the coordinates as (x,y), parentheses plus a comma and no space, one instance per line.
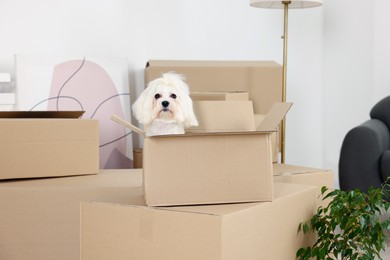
(166,98)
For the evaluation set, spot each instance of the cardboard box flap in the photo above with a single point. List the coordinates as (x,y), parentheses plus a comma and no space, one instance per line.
(126,124)
(274,116)
(216,116)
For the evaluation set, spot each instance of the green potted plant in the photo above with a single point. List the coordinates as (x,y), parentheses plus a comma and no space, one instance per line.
(352,226)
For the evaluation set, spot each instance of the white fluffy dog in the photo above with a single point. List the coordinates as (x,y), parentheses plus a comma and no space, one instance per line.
(165,106)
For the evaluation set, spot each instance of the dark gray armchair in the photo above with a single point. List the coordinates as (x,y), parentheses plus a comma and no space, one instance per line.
(365,152)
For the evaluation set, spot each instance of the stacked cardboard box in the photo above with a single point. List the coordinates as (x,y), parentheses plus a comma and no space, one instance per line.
(40,218)
(258,81)
(227,167)
(47,147)
(266,230)
(37,211)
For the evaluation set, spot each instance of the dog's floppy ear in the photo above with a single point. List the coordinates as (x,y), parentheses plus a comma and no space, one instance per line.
(143,106)
(190,118)
(186,103)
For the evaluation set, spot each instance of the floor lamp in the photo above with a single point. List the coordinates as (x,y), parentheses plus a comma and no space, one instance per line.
(278,4)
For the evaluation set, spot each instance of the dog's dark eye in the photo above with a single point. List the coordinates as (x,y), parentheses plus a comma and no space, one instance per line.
(157,96)
(173,96)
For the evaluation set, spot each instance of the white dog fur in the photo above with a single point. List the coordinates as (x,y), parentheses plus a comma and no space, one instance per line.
(165,106)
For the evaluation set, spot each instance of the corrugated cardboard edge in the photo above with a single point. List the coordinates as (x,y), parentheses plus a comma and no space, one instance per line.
(274,116)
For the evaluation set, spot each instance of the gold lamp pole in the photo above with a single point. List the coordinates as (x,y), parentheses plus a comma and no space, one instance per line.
(284,80)
(285,5)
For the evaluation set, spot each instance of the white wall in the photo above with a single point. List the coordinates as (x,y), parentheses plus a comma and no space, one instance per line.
(381,49)
(355,69)
(337,53)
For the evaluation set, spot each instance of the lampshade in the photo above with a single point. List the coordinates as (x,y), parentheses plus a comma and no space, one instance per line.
(279,3)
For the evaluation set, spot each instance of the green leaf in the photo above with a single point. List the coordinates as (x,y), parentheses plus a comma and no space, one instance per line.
(349,226)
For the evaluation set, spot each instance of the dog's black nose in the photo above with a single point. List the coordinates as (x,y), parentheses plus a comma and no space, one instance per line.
(165,104)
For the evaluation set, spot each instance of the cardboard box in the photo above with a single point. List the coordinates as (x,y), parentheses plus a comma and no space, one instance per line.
(303,175)
(207,168)
(219,96)
(247,231)
(40,218)
(217,116)
(42,147)
(261,79)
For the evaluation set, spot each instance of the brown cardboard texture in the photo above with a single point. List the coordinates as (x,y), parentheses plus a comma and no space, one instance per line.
(208,168)
(274,138)
(219,96)
(250,231)
(48,147)
(40,218)
(305,175)
(261,79)
(217,116)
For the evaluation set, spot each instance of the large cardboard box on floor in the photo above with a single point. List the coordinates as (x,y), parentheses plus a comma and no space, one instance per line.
(41,147)
(250,231)
(40,218)
(210,168)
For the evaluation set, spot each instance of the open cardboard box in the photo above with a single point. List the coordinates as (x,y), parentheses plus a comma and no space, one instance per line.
(209,168)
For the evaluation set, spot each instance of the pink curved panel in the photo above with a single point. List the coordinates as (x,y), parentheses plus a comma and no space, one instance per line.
(82,84)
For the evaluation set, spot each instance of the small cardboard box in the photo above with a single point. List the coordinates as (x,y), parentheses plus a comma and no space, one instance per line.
(249,231)
(42,147)
(303,175)
(209,168)
(40,218)
(219,95)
